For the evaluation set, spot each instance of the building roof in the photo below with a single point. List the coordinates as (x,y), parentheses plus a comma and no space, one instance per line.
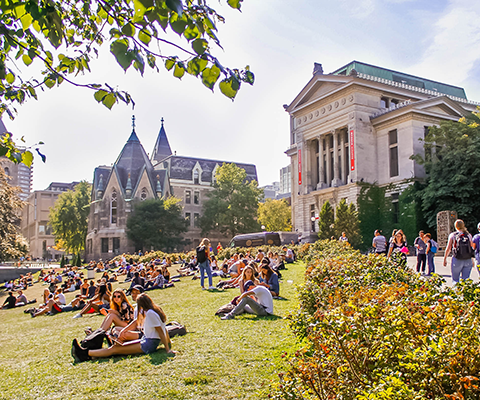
(162,148)
(62,186)
(400,77)
(182,168)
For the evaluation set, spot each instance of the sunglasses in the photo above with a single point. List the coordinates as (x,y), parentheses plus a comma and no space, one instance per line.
(117,297)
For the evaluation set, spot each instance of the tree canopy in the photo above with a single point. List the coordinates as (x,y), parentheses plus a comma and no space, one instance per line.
(232,206)
(326,221)
(275,215)
(157,224)
(346,220)
(12,243)
(452,164)
(64,36)
(68,217)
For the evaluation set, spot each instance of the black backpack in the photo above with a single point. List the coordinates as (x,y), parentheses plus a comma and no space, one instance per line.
(462,250)
(174,329)
(201,254)
(94,340)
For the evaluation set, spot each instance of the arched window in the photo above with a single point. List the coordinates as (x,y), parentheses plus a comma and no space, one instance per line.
(7,171)
(113,207)
(143,194)
(196,175)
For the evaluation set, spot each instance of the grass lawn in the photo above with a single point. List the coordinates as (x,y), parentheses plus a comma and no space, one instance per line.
(217,359)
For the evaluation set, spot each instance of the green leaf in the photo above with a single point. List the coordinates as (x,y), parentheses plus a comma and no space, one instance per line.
(235,3)
(27,158)
(26,59)
(170,63)
(100,95)
(144,36)
(178,24)
(175,5)
(229,87)
(109,100)
(196,65)
(179,70)
(49,82)
(199,45)
(128,30)
(32,92)
(147,3)
(124,57)
(210,76)
(139,11)
(191,32)
(10,77)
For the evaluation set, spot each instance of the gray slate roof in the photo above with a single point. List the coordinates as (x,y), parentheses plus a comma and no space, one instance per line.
(162,148)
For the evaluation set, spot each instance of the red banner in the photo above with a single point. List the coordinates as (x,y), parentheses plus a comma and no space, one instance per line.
(299,166)
(352,151)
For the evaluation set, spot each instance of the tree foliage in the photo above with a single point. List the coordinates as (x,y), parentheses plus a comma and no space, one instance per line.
(64,36)
(326,221)
(157,224)
(346,220)
(232,206)
(452,164)
(275,215)
(12,243)
(68,217)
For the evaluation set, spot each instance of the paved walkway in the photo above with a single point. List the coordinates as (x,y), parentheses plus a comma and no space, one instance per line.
(443,271)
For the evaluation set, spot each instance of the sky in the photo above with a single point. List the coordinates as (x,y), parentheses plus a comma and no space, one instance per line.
(280,40)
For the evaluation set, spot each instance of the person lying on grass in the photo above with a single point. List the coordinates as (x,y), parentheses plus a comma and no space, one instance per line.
(152,320)
(120,313)
(99,302)
(262,306)
(55,301)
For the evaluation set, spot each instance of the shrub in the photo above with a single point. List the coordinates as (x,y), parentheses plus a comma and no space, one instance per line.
(373,329)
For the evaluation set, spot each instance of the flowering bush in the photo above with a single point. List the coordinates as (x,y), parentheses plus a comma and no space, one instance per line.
(373,329)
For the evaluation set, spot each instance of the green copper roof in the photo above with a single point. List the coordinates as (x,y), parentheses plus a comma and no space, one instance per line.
(400,77)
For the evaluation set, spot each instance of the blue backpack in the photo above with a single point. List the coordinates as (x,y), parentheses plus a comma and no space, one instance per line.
(433,246)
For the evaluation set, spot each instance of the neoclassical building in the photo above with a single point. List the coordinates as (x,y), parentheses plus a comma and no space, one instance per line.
(136,177)
(360,123)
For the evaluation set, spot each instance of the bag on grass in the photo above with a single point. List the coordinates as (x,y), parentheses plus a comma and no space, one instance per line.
(225,309)
(94,340)
(174,328)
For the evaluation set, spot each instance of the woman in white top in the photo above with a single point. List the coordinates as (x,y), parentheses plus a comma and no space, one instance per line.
(152,320)
(461,264)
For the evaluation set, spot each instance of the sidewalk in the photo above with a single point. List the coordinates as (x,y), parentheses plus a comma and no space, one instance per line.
(443,271)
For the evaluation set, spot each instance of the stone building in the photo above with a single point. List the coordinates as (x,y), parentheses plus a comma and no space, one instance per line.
(360,123)
(136,177)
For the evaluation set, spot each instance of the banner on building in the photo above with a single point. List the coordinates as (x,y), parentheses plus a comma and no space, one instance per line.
(352,150)
(299,166)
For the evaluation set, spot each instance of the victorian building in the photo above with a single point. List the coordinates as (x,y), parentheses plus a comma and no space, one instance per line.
(361,123)
(136,177)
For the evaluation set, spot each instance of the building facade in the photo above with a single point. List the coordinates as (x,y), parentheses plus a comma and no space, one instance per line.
(136,177)
(361,123)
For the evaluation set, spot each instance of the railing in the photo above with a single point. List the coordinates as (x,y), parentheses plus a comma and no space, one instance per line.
(29,264)
(391,108)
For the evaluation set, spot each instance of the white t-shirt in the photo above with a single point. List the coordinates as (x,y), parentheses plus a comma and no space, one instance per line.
(152,320)
(61,299)
(264,297)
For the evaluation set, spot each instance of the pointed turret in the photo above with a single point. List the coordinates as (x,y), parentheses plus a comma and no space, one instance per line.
(162,148)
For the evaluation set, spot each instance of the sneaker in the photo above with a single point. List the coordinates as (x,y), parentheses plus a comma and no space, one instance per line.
(77,316)
(203,288)
(228,316)
(211,288)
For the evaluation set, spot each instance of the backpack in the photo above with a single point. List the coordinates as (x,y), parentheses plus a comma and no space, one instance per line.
(201,254)
(433,246)
(174,329)
(462,249)
(94,340)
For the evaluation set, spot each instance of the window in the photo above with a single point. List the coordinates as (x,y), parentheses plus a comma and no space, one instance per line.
(188,196)
(188,218)
(113,208)
(44,246)
(383,102)
(395,208)
(116,245)
(196,217)
(143,194)
(41,229)
(104,245)
(89,246)
(393,144)
(196,197)
(196,179)
(7,171)
(44,228)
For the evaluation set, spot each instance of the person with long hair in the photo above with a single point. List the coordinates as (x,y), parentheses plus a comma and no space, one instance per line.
(204,265)
(98,302)
(152,320)
(248,274)
(460,243)
(269,279)
(398,245)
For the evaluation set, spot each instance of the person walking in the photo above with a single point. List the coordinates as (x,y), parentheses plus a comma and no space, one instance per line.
(204,260)
(379,243)
(461,245)
(421,247)
(476,242)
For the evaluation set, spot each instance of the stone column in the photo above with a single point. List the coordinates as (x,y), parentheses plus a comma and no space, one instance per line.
(336,178)
(308,166)
(327,157)
(343,178)
(321,172)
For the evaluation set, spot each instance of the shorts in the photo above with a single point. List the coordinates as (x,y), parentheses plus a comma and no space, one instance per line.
(149,345)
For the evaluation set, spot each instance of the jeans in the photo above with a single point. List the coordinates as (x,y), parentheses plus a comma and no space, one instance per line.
(205,267)
(421,261)
(249,305)
(461,268)
(430,262)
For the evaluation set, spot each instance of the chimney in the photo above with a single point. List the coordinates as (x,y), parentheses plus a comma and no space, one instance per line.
(317,69)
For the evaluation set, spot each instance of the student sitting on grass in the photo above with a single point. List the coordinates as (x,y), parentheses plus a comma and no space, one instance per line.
(152,320)
(9,301)
(269,279)
(99,302)
(56,301)
(262,306)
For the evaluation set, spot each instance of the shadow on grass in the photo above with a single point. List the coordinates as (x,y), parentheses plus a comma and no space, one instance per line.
(157,358)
